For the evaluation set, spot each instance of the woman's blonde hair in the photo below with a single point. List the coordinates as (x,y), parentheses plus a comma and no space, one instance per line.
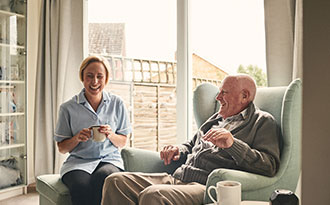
(92,59)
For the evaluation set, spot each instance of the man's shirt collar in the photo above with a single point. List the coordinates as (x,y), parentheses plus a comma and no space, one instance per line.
(239,116)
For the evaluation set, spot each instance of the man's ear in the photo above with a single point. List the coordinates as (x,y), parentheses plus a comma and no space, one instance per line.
(246,96)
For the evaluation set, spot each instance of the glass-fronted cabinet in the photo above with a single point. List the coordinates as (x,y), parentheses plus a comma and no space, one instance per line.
(13,163)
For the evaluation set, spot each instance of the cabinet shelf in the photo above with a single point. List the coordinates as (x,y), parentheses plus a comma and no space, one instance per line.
(11,114)
(7,86)
(12,82)
(11,146)
(8,13)
(11,46)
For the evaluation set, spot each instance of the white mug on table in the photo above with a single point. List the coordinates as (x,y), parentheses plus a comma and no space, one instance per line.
(227,192)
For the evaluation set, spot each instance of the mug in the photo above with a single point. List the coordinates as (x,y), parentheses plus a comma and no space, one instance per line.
(227,192)
(97,136)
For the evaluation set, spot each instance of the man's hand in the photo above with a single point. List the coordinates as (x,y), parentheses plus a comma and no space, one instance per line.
(220,137)
(170,153)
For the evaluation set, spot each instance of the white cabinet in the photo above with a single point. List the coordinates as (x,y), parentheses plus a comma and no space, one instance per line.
(13,163)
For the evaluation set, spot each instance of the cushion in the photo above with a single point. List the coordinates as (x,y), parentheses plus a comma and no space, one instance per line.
(51,187)
(204,102)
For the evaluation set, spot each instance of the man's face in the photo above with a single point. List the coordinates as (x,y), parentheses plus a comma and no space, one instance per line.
(230,98)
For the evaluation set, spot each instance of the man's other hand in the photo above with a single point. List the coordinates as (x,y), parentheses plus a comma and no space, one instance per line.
(169,153)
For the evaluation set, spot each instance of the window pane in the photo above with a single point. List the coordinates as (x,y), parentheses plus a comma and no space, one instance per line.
(227,37)
(139,39)
(229,34)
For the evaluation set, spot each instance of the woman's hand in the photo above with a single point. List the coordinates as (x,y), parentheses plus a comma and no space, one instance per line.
(83,135)
(68,145)
(105,129)
(117,139)
(170,153)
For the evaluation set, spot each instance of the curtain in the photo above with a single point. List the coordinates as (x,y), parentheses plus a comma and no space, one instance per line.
(283,25)
(298,42)
(60,52)
(284,49)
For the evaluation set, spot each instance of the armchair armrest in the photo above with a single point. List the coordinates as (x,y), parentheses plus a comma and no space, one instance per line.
(249,181)
(139,160)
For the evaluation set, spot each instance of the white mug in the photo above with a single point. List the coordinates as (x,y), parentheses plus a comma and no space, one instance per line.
(97,136)
(227,192)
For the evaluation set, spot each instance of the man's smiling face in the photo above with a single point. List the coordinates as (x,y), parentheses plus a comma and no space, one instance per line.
(230,97)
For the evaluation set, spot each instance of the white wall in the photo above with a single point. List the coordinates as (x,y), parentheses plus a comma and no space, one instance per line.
(33,19)
(316,103)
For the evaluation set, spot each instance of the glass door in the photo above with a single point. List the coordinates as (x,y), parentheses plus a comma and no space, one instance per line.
(12,93)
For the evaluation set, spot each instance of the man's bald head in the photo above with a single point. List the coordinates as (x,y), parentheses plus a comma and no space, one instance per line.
(236,92)
(244,83)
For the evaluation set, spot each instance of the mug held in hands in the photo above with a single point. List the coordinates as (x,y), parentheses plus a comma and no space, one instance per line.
(97,136)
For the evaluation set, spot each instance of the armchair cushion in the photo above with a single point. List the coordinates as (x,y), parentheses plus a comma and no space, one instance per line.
(52,190)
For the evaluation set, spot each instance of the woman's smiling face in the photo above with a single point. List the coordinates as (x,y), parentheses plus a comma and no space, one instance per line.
(94,77)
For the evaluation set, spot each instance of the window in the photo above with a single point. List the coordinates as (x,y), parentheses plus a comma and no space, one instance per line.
(139,39)
(227,37)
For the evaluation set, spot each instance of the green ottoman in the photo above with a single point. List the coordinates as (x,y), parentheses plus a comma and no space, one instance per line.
(52,190)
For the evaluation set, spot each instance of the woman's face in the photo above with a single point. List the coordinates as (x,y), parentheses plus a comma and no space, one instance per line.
(94,76)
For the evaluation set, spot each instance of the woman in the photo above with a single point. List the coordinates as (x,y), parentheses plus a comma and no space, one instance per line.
(90,162)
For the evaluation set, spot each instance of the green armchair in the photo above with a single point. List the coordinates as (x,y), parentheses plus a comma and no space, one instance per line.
(284,103)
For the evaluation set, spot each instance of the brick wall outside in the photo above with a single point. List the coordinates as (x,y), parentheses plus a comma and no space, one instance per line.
(205,69)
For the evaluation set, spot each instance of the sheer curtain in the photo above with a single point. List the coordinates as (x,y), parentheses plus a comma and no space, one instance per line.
(283,23)
(60,52)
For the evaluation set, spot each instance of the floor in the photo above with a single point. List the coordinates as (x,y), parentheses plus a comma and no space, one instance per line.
(26,199)
(31,198)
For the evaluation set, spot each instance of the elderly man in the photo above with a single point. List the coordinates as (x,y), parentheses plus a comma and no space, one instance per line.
(239,136)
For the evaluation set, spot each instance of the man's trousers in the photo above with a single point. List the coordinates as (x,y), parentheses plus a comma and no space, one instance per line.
(150,188)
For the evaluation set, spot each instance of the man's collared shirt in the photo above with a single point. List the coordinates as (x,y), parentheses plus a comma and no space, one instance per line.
(77,114)
(231,122)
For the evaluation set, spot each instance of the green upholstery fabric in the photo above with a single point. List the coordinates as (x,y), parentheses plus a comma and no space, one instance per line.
(284,103)
(52,190)
(139,160)
(205,103)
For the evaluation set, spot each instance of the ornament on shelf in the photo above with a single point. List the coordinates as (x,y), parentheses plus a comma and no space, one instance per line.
(17,6)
